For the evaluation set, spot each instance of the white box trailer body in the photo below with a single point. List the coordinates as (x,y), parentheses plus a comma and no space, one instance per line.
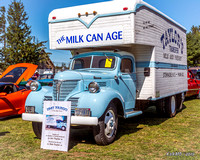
(155,40)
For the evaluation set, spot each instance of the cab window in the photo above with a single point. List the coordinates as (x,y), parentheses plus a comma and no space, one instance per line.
(81,63)
(126,66)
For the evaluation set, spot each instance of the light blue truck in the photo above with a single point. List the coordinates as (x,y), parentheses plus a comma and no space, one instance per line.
(56,122)
(126,57)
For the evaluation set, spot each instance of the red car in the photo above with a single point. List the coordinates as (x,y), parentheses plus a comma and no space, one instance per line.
(193,85)
(12,98)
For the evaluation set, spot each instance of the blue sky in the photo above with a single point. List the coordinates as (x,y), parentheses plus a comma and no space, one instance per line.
(183,11)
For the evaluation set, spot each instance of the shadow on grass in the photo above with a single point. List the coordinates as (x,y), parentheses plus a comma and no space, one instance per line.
(81,134)
(149,117)
(3,133)
(126,126)
(9,117)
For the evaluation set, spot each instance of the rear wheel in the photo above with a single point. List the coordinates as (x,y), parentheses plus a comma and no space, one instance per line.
(171,106)
(198,96)
(105,131)
(37,128)
(160,106)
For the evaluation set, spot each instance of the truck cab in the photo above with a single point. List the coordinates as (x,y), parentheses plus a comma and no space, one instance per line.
(101,86)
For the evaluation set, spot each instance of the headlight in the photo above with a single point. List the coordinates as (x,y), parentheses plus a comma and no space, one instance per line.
(93,87)
(35,86)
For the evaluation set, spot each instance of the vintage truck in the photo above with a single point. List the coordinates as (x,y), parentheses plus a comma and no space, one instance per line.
(127,56)
(56,122)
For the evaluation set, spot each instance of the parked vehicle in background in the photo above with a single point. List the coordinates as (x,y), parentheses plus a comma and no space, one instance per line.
(193,85)
(128,55)
(195,71)
(46,79)
(12,97)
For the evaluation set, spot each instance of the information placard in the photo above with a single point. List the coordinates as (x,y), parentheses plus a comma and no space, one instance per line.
(56,125)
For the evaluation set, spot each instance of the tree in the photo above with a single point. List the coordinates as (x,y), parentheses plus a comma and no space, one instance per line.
(2,35)
(193,46)
(20,45)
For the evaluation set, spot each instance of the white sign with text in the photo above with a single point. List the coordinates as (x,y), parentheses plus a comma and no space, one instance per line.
(56,125)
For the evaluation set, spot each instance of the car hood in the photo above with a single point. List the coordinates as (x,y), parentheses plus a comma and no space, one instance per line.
(18,72)
(78,75)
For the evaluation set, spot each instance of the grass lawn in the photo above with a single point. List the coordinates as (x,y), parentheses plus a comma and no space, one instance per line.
(148,136)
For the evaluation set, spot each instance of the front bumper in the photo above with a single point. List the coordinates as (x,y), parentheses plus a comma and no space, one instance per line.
(75,120)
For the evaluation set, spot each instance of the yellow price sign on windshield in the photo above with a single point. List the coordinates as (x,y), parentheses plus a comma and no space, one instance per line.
(108,63)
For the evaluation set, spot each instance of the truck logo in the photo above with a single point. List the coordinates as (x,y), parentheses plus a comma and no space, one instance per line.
(171,36)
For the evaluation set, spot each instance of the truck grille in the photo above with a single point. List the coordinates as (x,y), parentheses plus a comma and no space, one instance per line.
(61,89)
(47,98)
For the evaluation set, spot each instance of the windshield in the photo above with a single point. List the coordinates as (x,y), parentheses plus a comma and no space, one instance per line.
(13,75)
(97,62)
(46,76)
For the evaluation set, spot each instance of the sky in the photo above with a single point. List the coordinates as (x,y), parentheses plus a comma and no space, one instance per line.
(184,12)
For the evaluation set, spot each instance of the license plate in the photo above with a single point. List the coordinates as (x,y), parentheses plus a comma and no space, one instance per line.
(82,112)
(30,109)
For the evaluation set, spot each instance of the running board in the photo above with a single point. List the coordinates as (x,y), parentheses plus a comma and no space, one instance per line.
(132,114)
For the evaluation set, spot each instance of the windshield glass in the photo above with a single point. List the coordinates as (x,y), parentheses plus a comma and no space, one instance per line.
(13,75)
(98,62)
(46,76)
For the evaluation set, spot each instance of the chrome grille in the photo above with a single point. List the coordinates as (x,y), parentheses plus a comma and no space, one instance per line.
(61,89)
(74,104)
(47,98)
(74,101)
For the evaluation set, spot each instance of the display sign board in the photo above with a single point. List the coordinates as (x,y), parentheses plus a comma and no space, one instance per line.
(56,125)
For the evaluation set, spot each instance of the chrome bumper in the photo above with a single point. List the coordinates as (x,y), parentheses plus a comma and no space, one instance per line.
(75,120)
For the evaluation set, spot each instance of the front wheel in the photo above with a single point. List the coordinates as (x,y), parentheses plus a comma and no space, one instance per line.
(105,131)
(37,128)
(63,128)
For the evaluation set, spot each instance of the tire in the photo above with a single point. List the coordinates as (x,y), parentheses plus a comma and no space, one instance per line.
(171,106)
(160,106)
(179,101)
(198,96)
(63,128)
(37,128)
(105,131)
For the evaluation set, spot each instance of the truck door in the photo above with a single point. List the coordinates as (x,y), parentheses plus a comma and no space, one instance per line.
(128,78)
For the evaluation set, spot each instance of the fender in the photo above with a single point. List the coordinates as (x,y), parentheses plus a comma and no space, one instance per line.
(35,98)
(98,102)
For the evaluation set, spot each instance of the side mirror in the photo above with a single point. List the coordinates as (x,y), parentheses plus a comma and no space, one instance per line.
(3,94)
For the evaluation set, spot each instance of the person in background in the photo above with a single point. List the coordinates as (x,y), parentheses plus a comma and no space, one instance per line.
(36,76)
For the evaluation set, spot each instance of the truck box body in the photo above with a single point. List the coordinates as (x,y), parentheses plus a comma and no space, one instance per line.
(155,40)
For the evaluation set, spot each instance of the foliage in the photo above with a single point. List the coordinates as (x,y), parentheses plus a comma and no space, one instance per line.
(193,46)
(2,25)
(20,47)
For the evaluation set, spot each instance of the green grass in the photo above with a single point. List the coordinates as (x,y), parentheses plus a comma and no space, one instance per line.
(144,137)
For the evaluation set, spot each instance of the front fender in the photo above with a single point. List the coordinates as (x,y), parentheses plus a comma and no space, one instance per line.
(98,102)
(35,98)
